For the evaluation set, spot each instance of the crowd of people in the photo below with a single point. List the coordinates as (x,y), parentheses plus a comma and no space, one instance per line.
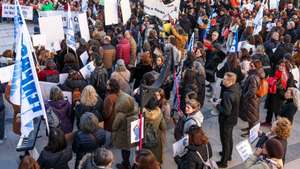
(263,69)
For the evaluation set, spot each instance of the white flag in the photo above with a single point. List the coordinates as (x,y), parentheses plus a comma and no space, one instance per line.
(25,89)
(258,20)
(71,42)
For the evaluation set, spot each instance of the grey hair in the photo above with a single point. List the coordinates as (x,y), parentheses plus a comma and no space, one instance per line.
(89,123)
(56,94)
(103,157)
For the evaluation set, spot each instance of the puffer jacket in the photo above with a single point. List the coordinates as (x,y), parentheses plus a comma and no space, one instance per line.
(123,50)
(249,104)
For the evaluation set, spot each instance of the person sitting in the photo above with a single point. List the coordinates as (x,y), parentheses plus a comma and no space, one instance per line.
(101,158)
(57,153)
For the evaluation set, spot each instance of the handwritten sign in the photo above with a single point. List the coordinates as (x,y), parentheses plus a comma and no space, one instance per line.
(244,149)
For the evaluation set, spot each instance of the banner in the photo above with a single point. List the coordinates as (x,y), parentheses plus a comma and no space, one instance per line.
(111,12)
(8,11)
(25,89)
(126,11)
(52,27)
(162,11)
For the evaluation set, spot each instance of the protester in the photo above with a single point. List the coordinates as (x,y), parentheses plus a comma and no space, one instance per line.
(28,163)
(145,159)
(49,74)
(62,108)
(108,53)
(291,105)
(229,110)
(89,136)
(194,115)
(164,105)
(57,153)
(101,158)
(122,75)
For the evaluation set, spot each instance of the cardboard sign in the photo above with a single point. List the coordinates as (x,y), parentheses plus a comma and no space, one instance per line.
(135,131)
(39,40)
(253,133)
(83,27)
(87,70)
(244,149)
(8,11)
(6,73)
(52,28)
(126,10)
(63,77)
(111,12)
(45,89)
(179,146)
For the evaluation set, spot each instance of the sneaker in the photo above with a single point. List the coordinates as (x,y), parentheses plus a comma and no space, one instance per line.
(222,164)
(266,124)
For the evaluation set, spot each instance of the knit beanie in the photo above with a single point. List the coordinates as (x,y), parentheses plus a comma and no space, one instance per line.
(274,148)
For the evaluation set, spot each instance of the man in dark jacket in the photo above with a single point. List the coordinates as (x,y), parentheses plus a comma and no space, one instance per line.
(2,114)
(229,110)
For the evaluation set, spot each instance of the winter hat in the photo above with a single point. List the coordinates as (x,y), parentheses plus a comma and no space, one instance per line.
(120,62)
(274,148)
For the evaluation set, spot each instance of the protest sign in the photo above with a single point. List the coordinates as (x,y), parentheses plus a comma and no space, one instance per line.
(83,26)
(45,89)
(126,10)
(111,12)
(179,146)
(253,133)
(162,11)
(39,40)
(63,77)
(84,57)
(244,149)
(8,11)
(87,70)
(6,73)
(135,131)
(52,28)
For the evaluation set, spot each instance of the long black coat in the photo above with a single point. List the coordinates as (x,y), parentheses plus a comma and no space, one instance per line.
(288,110)
(249,104)
(58,160)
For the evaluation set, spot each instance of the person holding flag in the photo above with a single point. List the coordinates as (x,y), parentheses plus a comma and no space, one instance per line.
(25,89)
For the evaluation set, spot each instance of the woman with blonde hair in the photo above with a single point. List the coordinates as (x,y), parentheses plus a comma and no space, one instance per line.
(292,103)
(89,102)
(122,75)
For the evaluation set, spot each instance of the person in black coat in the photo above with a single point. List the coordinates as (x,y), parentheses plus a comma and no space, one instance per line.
(89,137)
(57,153)
(290,106)
(228,117)
(198,143)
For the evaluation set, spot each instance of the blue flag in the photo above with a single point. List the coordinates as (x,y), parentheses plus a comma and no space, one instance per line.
(25,89)
(235,42)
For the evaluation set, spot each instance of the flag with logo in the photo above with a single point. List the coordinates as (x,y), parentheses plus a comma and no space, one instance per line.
(71,42)
(25,89)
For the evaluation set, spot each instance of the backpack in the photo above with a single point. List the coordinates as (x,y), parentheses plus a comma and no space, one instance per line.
(263,88)
(53,120)
(179,127)
(151,136)
(209,163)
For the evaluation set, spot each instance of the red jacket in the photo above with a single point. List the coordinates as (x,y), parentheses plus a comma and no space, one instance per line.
(46,72)
(123,50)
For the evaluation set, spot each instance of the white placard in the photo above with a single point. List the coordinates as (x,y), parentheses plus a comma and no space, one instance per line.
(111,12)
(244,149)
(63,77)
(52,27)
(39,40)
(253,133)
(6,73)
(161,10)
(68,95)
(8,11)
(135,131)
(45,89)
(126,10)
(83,26)
(87,70)
(84,57)
(179,146)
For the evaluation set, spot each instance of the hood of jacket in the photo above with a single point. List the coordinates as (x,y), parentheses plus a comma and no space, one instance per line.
(153,114)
